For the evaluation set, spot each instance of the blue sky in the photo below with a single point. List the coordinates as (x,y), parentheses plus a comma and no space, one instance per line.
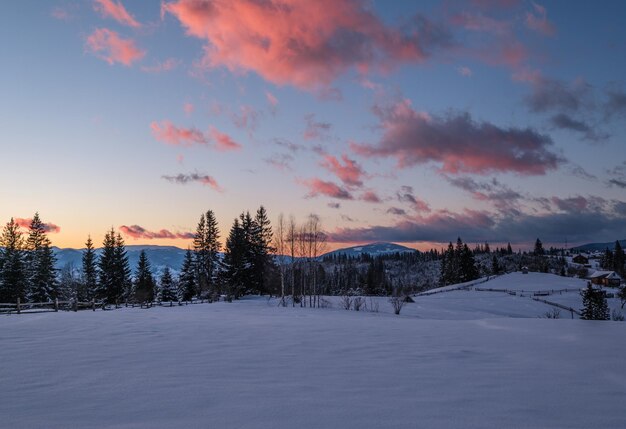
(413,122)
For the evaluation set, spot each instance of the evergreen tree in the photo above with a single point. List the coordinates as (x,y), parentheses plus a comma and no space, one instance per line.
(261,249)
(41,283)
(495,266)
(618,258)
(213,247)
(12,276)
(187,279)
(167,287)
(113,270)
(89,281)
(201,256)
(538,251)
(509,250)
(122,267)
(468,270)
(144,282)
(107,289)
(595,306)
(235,261)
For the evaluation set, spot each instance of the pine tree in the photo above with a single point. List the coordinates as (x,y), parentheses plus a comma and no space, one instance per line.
(595,306)
(89,281)
(468,270)
(495,266)
(509,250)
(201,256)
(235,261)
(213,247)
(261,249)
(144,282)
(122,268)
(167,287)
(12,275)
(618,258)
(114,272)
(187,279)
(41,283)
(538,251)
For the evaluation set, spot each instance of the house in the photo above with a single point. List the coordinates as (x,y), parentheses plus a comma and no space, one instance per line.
(606,278)
(580,259)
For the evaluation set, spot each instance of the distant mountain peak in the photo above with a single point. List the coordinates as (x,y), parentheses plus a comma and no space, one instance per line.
(377,248)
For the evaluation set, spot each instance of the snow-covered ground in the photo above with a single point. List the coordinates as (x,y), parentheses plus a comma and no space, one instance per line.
(251,364)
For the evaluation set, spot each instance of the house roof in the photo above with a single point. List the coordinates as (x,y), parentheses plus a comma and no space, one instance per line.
(605,275)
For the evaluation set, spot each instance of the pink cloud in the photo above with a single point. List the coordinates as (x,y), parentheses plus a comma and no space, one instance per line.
(247,118)
(223,141)
(371,197)
(136,232)
(305,44)
(175,136)
(538,21)
(405,195)
(48,227)
(112,48)
(204,179)
(115,10)
(458,144)
(162,67)
(320,187)
(315,129)
(181,136)
(349,172)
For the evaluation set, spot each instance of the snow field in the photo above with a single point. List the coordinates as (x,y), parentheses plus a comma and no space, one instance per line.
(251,364)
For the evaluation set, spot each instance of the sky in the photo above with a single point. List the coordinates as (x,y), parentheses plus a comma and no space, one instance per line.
(405,121)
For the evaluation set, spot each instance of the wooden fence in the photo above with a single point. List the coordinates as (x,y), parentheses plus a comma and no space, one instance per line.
(19,307)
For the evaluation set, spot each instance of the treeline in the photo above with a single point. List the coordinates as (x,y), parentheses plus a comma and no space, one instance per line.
(27,264)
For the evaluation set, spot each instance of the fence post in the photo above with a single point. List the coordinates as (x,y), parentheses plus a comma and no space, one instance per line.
(56,304)
(18,306)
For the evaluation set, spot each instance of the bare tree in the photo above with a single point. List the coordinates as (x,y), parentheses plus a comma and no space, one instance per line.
(280,248)
(397,302)
(291,244)
(316,246)
(358,302)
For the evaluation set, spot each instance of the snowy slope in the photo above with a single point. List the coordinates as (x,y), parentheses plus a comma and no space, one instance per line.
(253,365)
(373,249)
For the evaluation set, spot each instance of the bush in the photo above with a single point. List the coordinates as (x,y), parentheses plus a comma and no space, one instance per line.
(358,302)
(346,302)
(555,313)
(617,316)
(373,306)
(397,302)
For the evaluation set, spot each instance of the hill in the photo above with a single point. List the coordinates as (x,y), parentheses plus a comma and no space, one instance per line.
(592,247)
(371,249)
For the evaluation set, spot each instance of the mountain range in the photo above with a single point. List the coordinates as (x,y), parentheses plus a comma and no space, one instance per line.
(172,257)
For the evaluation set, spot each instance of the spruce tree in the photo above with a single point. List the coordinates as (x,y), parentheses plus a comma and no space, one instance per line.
(213,247)
(261,248)
(235,261)
(89,281)
(595,306)
(618,258)
(41,282)
(144,282)
(122,268)
(538,251)
(187,278)
(167,287)
(201,256)
(12,275)
(495,266)
(114,272)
